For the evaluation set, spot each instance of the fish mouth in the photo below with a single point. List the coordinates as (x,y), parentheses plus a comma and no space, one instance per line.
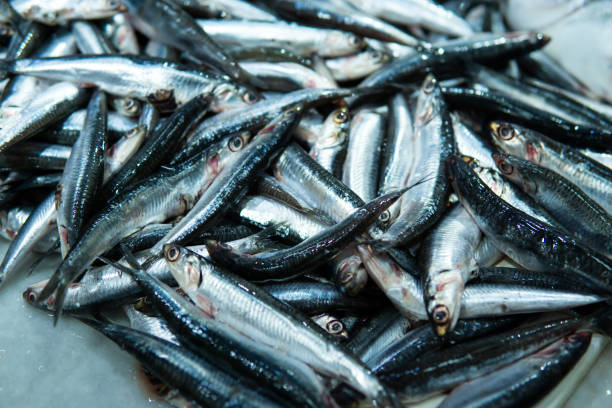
(441,319)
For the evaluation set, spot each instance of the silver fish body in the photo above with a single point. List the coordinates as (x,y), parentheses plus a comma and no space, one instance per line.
(447,257)
(270,321)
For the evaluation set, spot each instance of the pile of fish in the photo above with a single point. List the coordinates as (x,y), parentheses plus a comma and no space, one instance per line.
(304,203)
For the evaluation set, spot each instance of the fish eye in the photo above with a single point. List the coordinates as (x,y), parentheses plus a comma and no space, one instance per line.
(429,86)
(354,40)
(30,296)
(50,17)
(249,97)
(172,253)
(506,132)
(505,167)
(341,116)
(384,217)
(440,314)
(335,327)
(235,143)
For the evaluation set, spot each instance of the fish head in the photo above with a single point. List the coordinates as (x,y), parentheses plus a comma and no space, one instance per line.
(32,293)
(513,169)
(507,137)
(342,43)
(228,96)
(184,266)
(443,294)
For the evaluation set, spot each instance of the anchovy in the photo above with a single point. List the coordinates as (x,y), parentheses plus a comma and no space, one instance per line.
(425,13)
(301,40)
(166,22)
(397,329)
(540,99)
(469,144)
(155,326)
(268,321)
(11,220)
(279,264)
(332,325)
(590,176)
(447,260)
(286,76)
(196,378)
(511,194)
(583,217)
(121,34)
(69,130)
(21,89)
(168,84)
(426,200)
(321,189)
(159,146)
(399,153)
(256,115)
(209,338)
(439,371)
(234,9)
(89,39)
(357,66)
(269,187)
(119,153)
(232,181)
(525,381)
(106,285)
(480,48)
(32,155)
(363,153)
(405,293)
(315,297)
(163,195)
(52,105)
(82,177)
(335,14)
(38,225)
(548,280)
(524,239)
(405,350)
(508,108)
(288,222)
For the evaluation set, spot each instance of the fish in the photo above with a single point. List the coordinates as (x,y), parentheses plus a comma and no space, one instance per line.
(426,199)
(162,195)
(286,263)
(583,217)
(180,368)
(52,105)
(525,379)
(170,83)
(83,174)
(41,222)
(589,175)
(528,241)
(288,333)
(447,262)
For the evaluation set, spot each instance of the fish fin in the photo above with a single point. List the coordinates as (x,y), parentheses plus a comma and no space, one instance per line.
(129,257)
(43,256)
(60,296)
(49,288)
(121,268)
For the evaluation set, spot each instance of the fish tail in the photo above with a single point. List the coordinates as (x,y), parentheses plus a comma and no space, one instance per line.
(49,288)
(60,296)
